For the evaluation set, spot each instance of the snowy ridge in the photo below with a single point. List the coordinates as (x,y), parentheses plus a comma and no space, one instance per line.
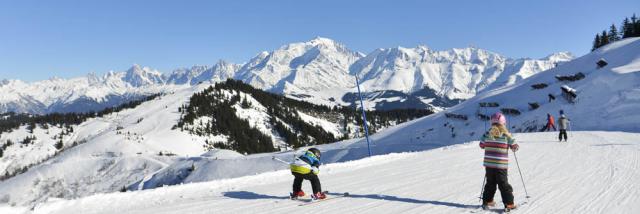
(219,72)
(456,73)
(82,94)
(94,93)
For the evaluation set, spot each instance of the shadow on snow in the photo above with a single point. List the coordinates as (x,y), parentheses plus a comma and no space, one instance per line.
(252,196)
(409,200)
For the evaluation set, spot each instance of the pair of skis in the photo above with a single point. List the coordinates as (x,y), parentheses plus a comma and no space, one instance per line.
(312,200)
(497,210)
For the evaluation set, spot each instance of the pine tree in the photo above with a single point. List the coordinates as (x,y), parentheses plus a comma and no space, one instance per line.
(613,33)
(31,126)
(635,24)
(245,104)
(604,38)
(636,28)
(627,28)
(596,43)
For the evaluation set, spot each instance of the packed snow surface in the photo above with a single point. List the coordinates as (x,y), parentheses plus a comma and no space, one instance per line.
(595,172)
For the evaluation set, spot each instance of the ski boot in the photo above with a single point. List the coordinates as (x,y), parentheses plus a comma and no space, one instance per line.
(509,207)
(295,195)
(488,205)
(319,196)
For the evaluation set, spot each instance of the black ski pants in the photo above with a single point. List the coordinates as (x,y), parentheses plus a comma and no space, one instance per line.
(497,177)
(563,133)
(313,178)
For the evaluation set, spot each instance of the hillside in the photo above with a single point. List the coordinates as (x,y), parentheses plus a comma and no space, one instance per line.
(448,180)
(129,147)
(234,115)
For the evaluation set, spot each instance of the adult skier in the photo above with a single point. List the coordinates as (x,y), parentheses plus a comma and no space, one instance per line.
(550,123)
(496,144)
(563,124)
(306,167)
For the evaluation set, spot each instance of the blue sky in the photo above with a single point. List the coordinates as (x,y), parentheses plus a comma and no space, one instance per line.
(41,39)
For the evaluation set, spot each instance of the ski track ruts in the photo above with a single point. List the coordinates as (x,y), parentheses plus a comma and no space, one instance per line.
(557,185)
(535,169)
(602,175)
(588,171)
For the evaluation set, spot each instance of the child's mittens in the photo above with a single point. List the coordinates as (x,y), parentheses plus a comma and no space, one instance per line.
(515,147)
(315,170)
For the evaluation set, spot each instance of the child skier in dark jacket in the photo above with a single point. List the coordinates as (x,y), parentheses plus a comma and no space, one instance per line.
(496,144)
(306,167)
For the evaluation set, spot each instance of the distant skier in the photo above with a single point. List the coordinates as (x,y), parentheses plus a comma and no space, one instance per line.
(550,123)
(306,167)
(563,124)
(496,143)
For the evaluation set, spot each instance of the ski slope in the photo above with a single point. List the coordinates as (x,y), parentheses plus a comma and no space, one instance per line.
(595,172)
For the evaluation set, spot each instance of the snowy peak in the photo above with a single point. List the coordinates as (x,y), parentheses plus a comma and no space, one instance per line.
(221,71)
(559,57)
(301,67)
(142,76)
(185,75)
(322,41)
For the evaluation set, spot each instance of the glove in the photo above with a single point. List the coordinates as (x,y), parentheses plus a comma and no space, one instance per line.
(315,170)
(481,145)
(515,147)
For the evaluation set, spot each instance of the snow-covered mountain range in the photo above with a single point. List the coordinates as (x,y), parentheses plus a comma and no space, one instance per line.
(82,94)
(320,71)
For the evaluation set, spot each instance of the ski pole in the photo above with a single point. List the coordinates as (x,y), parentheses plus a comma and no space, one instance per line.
(570,130)
(521,178)
(482,190)
(279,160)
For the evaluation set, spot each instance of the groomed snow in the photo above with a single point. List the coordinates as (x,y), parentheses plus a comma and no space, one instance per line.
(596,172)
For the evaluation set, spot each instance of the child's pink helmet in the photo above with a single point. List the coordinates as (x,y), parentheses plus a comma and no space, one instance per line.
(498,118)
